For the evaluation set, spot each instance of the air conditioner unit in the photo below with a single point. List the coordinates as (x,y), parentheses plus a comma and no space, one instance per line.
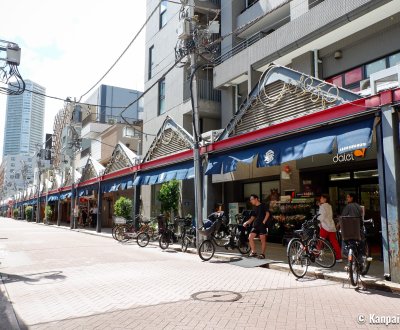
(210,136)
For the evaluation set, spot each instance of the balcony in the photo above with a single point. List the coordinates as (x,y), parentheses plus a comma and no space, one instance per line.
(205,91)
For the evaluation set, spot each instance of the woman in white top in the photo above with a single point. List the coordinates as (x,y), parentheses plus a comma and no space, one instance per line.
(328,229)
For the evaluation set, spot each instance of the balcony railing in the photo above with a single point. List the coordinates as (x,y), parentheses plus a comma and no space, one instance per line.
(205,91)
(109,119)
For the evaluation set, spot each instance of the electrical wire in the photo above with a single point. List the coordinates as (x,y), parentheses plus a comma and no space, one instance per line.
(125,50)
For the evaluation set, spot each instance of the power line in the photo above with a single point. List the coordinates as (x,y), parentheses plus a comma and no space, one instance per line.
(125,50)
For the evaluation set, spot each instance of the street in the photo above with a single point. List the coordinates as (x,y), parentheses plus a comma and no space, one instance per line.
(60,279)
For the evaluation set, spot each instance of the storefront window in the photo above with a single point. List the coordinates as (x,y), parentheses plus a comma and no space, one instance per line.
(251,188)
(269,190)
(375,67)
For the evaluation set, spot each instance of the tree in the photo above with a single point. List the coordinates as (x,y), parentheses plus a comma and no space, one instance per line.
(123,207)
(48,213)
(169,196)
(28,212)
(16,213)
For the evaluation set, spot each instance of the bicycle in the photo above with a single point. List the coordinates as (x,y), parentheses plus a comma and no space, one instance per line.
(188,236)
(354,238)
(308,247)
(238,238)
(207,247)
(167,236)
(123,226)
(126,232)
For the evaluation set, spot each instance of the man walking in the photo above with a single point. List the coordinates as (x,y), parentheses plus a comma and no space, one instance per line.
(259,216)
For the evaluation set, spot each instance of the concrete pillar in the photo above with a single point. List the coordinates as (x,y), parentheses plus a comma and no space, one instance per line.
(58,211)
(389,178)
(99,208)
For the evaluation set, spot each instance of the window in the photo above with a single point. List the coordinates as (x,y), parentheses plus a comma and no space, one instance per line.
(12,159)
(394,59)
(161,97)
(12,165)
(17,175)
(151,61)
(249,3)
(375,67)
(353,76)
(163,13)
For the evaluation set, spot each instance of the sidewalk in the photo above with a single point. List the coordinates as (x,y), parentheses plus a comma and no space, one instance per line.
(275,259)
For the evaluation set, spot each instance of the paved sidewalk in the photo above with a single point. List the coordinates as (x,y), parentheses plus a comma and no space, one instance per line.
(62,279)
(276,259)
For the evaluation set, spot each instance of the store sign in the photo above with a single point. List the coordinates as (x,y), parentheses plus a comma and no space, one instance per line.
(269,156)
(349,157)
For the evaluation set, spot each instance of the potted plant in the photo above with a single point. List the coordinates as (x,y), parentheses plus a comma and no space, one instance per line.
(28,213)
(123,207)
(15,213)
(169,196)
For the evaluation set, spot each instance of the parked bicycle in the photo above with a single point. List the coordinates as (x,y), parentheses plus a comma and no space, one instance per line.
(188,233)
(128,232)
(123,226)
(166,232)
(353,233)
(307,247)
(207,247)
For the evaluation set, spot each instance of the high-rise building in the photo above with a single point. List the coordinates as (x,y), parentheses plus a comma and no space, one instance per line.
(24,120)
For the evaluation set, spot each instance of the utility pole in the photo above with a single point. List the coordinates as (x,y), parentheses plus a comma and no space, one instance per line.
(198,175)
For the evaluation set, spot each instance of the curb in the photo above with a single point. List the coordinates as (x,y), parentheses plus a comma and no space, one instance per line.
(366,283)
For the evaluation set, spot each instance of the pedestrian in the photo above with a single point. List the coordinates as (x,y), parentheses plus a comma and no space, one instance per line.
(93,214)
(327,226)
(260,217)
(352,209)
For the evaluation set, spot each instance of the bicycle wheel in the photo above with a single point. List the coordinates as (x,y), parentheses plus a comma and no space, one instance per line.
(243,246)
(206,250)
(322,251)
(185,243)
(163,241)
(353,268)
(297,257)
(120,233)
(113,231)
(143,239)
(150,232)
(365,262)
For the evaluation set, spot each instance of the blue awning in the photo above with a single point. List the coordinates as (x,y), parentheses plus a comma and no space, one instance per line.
(348,137)
(129,184)
(115,184)
(123,185)
(181,171)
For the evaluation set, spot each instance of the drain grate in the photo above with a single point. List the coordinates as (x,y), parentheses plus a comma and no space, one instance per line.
(217,296)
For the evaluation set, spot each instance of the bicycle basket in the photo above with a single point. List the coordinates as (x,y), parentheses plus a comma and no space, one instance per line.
(350,227)
(119,220)
(308,229)
(212,229)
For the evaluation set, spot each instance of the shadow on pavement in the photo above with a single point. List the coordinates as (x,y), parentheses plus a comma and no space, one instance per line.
(8,319)
(36,278)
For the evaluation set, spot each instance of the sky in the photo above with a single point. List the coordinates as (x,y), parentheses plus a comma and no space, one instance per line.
(66,46)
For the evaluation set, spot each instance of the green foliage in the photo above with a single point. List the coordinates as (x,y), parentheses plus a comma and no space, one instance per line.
(123,207)
(28,212)
(169,196)
(16,213)
(48,212)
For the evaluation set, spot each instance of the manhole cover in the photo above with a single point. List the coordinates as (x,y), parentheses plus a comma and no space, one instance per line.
(217,296)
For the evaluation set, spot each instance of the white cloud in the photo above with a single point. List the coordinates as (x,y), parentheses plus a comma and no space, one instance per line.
(68,45)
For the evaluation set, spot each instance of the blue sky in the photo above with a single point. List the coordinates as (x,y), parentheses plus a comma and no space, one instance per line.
(68,45)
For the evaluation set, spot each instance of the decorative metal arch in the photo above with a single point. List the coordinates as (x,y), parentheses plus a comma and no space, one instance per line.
(122,157)
(279,83)
(171,138)
(91,170)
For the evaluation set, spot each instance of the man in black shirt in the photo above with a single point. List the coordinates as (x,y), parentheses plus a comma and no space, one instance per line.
(260,217)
